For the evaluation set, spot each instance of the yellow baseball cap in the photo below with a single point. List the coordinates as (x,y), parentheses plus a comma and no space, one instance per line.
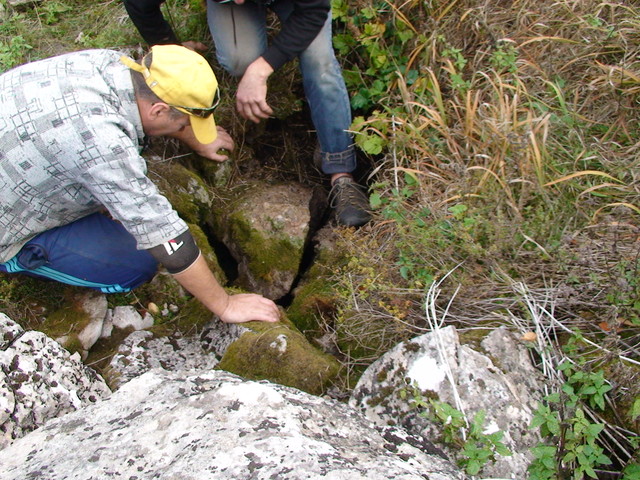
(182,79)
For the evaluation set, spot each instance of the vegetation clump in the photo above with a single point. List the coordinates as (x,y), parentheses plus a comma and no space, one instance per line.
(506,152)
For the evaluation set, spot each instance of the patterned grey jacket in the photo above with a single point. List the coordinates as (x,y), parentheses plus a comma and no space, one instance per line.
(70,141)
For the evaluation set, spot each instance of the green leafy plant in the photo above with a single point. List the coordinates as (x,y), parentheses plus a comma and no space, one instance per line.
(12,53)
(455,60)
(474,446)
(384,42)
(572,449)
(576,452)
(52,11)
(504,57)
(631,472)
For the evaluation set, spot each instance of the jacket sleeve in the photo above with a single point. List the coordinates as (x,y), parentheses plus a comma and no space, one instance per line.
(148,19)
(298,31)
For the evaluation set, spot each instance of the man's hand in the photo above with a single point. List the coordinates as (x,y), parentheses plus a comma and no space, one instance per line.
(251,99)
(195,46)
(210,150)
(245,307)
(207,150)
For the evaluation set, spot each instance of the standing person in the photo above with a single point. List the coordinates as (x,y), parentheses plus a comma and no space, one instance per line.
(77,205)
(239,31)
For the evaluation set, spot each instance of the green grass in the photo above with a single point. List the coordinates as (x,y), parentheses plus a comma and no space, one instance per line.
(59,26)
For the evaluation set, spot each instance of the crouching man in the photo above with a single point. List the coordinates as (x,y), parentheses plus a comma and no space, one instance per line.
(76,203)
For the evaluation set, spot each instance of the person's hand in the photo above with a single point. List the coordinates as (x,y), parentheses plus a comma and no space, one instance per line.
(245,307)
(195,46)
(251,99)
(211,150)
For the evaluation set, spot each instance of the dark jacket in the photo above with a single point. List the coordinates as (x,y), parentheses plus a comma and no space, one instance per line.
(300,29)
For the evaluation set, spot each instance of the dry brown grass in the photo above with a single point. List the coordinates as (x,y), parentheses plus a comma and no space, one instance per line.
(541,149)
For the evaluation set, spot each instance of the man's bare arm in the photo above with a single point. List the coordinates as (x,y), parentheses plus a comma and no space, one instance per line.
(202,284)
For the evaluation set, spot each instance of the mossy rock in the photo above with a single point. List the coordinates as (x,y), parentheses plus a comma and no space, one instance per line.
(208,253)
(65,326)
(217,174)
(265,255)
(315,296)
(185,190)
(312,301)
(265,226)
(278,352)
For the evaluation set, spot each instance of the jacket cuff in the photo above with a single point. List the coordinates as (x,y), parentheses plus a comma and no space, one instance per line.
(275,58)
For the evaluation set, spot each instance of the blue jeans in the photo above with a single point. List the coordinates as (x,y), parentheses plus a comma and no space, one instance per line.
(94,252)
(240,36)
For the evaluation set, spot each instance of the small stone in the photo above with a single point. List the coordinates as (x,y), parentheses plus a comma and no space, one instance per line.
(153,309)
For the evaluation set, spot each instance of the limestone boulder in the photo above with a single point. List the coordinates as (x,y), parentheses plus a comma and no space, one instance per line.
(214,425)
(497,378)
(40,380)
(142,351)
(254,350)
(126,316)
(9,331)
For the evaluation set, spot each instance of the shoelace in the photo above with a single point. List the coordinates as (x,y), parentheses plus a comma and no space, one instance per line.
(348,189)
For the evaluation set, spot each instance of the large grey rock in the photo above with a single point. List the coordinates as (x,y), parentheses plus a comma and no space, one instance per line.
(40,380)
(124,317)
(502,382)
(9,331)
(217,336)
(214,425)
(141,351)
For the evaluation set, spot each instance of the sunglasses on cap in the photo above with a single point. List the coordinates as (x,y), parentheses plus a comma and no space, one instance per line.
(200,112)
(224,1)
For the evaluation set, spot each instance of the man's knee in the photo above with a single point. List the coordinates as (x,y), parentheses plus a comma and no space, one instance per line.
(236,64)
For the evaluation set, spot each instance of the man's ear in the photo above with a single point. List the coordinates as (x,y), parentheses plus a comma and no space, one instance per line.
(158,109)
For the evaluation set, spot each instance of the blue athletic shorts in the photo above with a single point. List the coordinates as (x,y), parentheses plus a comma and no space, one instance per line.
(95,252)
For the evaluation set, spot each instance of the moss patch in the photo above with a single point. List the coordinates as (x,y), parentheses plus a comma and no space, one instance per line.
(186,191)
(281,354)
(313,301)
(67,322)
(207,252)
(265,255)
